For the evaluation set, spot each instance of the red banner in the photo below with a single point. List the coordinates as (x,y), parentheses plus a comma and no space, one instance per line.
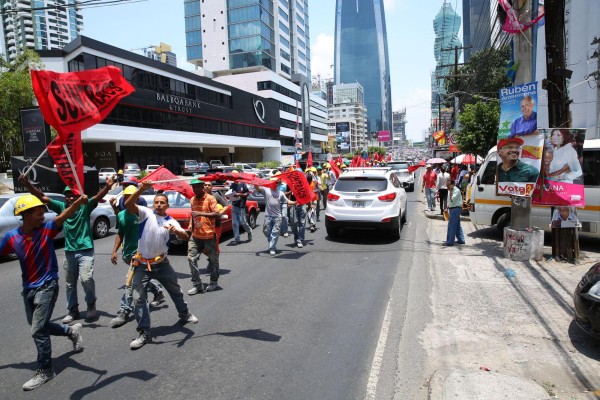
(309,162)
(335,168)
(163,174)
(57,152)
(413,168)
(74,101)
(299,186)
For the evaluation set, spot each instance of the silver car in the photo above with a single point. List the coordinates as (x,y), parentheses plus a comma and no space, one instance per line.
(104,174)
(102,218)
(406,178)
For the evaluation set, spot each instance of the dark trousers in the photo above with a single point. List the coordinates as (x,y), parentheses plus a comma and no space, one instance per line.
(443,193)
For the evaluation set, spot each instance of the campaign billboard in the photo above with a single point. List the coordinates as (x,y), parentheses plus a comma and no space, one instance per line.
(520,144)
(561,183)
(342,135)
(384,136)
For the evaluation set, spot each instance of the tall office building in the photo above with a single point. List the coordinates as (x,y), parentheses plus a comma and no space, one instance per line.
(162,53)
(245,35)
(476,26)
(38,24)
(361,55)
(446,25)
(347,118)
(399,125)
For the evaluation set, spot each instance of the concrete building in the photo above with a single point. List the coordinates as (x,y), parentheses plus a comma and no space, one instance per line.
(162,53)
(399,126)
(476,26)
(38,24)
(347,118)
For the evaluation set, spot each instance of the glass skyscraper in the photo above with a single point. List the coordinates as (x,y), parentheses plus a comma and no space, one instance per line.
(361,55)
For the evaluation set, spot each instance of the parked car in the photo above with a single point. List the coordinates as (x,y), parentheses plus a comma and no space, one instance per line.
(366,198)
(101,219)
(117,193)
(151,168)
(203,167)
(215,163)
(189,167)
(244,167)
(256,196)
(105,173)
(406,177)
(269,172)
(180,210)
(131,169)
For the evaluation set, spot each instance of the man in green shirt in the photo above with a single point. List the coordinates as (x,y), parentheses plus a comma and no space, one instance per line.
(512,169)
(128,230)
(79,247)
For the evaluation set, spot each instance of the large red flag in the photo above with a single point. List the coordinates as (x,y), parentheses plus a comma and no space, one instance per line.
(309,160)
(74,101)
(58,154)
(163,174)
(299,186)
(335,168)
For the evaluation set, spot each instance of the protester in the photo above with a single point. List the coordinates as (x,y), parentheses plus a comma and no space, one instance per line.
(127,237)
(274,201)
(223,206)
(204,237)
(131,181)
(324,179)
(79,248)
(312,208)
(238,209)
(454,209)
(442,190)
(297,219)
(428,186)
(34,246)
(151,261)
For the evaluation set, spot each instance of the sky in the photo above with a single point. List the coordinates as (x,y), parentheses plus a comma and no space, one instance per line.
(409,33)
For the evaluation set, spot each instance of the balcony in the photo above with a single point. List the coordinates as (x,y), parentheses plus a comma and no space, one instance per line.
(29,37)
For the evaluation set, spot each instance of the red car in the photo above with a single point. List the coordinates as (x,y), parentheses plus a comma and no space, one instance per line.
(180,209)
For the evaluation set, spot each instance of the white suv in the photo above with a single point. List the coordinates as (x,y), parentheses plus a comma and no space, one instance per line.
(366,198)
(407,178)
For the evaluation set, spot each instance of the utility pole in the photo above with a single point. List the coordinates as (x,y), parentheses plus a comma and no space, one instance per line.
(565,241)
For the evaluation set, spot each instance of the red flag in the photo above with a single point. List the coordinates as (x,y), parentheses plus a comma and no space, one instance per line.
(66,173)
(163,174)
(299,186)
(335,169)
(413,168)
(309,160)
(74,101)
(297,164)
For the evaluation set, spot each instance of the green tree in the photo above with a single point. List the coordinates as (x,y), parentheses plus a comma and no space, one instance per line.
(487,75)
(479,127)
(15,93)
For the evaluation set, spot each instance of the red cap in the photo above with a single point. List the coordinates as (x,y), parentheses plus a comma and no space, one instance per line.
(506,141)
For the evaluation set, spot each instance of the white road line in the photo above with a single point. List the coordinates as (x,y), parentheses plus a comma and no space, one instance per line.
(378,357)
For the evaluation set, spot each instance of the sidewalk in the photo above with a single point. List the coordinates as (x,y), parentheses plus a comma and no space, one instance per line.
(503,329)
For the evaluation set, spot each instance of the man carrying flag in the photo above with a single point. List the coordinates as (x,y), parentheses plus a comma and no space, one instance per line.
(79,247)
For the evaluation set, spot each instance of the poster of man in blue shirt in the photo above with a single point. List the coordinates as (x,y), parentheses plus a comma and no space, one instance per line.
(527,122)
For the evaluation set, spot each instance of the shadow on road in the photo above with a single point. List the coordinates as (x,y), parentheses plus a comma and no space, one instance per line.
(584,343)
(139,375)
(255,334)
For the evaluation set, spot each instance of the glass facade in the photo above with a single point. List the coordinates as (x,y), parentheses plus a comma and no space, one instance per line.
(193,30)
(476,26)
(361,55)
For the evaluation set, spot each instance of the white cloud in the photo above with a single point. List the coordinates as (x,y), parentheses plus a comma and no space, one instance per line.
(322,56)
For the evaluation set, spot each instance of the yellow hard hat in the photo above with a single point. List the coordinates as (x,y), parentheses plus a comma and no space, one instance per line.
(26,202)
(120,171)
(219,207)
(313,169)
(326,165)
(129,189)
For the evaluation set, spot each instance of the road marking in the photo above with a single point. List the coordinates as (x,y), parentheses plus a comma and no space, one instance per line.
(378,357)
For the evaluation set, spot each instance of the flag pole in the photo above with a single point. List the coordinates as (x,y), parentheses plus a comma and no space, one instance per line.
(35,162)
(189,178)
(73,169)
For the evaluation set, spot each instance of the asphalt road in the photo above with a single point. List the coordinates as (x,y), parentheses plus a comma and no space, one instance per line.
(304,324)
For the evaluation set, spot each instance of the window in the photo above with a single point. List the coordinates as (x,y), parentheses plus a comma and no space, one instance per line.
(283,14)
(489,175)
(284,28)
(591,167)
(284,41)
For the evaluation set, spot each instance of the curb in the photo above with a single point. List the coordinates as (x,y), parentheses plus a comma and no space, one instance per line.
(439,217)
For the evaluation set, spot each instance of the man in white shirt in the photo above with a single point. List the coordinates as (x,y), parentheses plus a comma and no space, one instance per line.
(151,261)
(442,180)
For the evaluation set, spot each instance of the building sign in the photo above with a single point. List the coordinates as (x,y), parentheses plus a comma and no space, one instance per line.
(178,104)
(259,110)
(100,154)
(35,132)
(384,136)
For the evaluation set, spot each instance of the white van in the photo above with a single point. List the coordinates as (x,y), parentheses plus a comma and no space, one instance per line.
(489,209)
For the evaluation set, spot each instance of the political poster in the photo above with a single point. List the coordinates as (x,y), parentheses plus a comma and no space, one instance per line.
(561,182)
(384,136)
(342,135)
(565,217)
(520,144)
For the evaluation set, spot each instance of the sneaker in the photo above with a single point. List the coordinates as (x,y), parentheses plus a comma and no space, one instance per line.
(189,318)
(300,245)
(447,244)
(91,313)
(141,340)
(158,300)
(75,336)
(286,234)
(250,235)
(460,242)
(40,377)
(272,252)
(313,228)
(212,287)
(196,290)
(71,316)
(120,319)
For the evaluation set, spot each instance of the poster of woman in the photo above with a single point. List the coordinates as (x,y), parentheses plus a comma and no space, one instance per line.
(562,172)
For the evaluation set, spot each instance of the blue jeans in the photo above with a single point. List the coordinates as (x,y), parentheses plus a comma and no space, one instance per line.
(127,299)
(298,221)
(239,218)
(79,264)
(165,274)
(39,304)
(285,219)
(430,195)
(195,247)
(271,228)
(454,227)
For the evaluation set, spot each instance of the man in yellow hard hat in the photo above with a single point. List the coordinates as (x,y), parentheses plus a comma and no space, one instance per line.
(34,246)
(79,247)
